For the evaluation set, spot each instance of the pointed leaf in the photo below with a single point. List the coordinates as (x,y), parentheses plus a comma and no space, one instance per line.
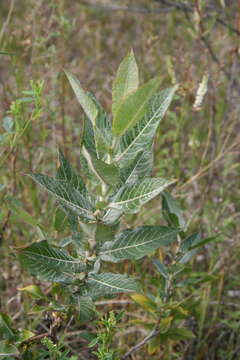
(131,197)
(126,81)
(87,308)
(97,138)
(134,107)
(49,263)
(5,327)
(108,173)
(171,207)
(34,291)
(67,173)
(67,194)
(141,136)
(109,284)
(141,166)
(190,241)
(134,244)
(7,349)
(161,268)
(145,302)
(85,100)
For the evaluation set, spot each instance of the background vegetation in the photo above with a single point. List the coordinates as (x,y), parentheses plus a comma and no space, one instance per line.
(185,42)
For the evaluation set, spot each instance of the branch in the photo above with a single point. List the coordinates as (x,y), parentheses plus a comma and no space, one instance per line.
(144,341)
(168,6)
(141,10)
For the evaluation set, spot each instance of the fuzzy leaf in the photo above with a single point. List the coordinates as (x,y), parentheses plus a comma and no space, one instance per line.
(109,284)
(126,80)
(87,308)
(161,268)
(97,138)
(134,107)
(134,244)
(84,99)
(67,173)
(141,135)
(7,349)
(141,166)
(107,173)
(49,263)
(131,197)
(67,194)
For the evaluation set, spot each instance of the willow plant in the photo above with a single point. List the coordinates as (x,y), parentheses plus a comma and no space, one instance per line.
(117,161)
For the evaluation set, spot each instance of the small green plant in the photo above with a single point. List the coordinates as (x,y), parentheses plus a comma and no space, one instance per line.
(116,166)
(107,327)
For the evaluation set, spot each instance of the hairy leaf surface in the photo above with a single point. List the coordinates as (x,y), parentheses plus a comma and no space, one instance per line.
(84,99)
(67,194)
(131,197)
(134,244)
(49,263)
(141,135)
(126,80)
(134,107)
(67,173)
(109,284)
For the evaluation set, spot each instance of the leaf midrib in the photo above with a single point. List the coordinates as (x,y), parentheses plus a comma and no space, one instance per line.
(52,258)
(88,212)
(108,285)
(143,129)
(136,245)
(137,197)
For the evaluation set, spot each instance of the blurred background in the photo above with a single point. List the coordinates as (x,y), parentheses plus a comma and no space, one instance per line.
(192,43)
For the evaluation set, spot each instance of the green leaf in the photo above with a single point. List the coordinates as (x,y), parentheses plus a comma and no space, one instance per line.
(49,263)
(7,349)
(204,242)
(161,268)
(34,291)
(186,246)
(21,214)
(87,308)
(179,334)
(85,100)
(140,137)
(131,197)
(109,284)
(5,327)
(170,207)
(190,241)
(8,124)
(6,53)
(67,173)
(67,194)
(126,80)
(134,107)
(134,244)
(141,166)
(97,138)
(105,233)
(107,173)
(60,220)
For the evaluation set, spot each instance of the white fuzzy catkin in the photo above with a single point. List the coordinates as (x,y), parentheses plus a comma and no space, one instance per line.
(201,92)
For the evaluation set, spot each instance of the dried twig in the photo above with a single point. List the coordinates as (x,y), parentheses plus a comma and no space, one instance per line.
(144,341)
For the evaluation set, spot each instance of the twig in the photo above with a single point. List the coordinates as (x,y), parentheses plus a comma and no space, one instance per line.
(171,5)
(36,337)
(5,25)
(114,302)
(144,341)
(141,10)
